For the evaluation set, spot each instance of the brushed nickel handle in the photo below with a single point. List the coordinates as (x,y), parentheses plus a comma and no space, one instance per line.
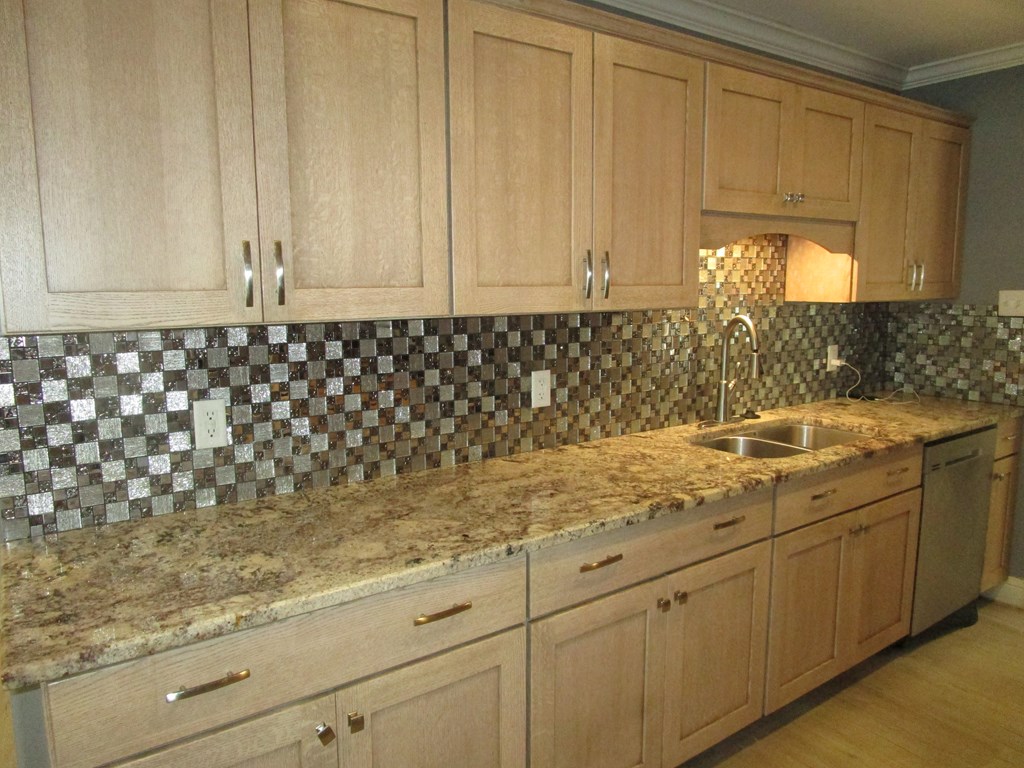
(356,722)
(247,271)
(897,471)
(447,613)
(610,560)
(1000,476)
(664,604)
(824,494)
(912,277)
(279,272)
(681,597)
(606,263)
(788,197)
(920,280)
(800,197)
(730,522)
(187,693)
(325,733)
(588,276)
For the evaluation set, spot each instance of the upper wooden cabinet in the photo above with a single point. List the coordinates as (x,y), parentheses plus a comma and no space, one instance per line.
(135,198)
(910,230)
(776,148)
(575,167)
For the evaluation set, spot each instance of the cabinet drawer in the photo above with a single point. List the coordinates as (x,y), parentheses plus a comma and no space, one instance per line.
(580,570)
(814,498)
(111,713)
(1008,436)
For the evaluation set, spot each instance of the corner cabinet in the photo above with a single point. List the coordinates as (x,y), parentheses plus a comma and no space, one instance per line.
(911,225)
(780,149)
(135,197)
(575,166)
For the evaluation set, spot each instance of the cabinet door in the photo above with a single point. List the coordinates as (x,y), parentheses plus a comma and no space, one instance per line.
(292,738)
(596,686)
(883,560)
(128,172)
(522,160)
(648,110)
(746,152)
(884,263)
(829,144)
(1000,522)
(350,146)
(805,644)
(715,651)
(463,709)
(940,194)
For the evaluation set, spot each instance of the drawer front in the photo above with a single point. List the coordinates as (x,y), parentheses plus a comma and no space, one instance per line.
(814,498)
(580,570)
(122,710)
(1008,437)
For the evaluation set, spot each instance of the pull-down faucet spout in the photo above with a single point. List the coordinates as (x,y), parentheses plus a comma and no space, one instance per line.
(725,384)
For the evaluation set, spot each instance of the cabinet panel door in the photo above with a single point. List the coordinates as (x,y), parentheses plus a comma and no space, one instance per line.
(805,644)
(463,709)
(596,683)
(1000,522)
(829,147)
(522,138)
(128,164)
(883,259)
(285,739)
(715,651)
(940,194)
(648,110)
(883,561)
(747,151)
(350,144)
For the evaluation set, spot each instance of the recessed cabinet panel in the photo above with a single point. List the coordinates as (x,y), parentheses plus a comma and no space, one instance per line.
(830,144)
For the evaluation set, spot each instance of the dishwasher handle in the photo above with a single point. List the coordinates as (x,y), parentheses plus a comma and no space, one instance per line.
(966,457)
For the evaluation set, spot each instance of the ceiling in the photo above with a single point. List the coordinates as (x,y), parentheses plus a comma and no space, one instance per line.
(897,44)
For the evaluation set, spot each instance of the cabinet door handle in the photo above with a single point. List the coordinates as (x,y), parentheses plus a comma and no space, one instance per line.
(912,277)
(247,271)
(730,522)
(606,264)
(920,279)
(447,613)
(789,197)
(681,597)
(824,494)
(897,471)
(800,197)
(664,604)
(187,693)
(279,272)
(610,560)
(588,276)
(1000,476)
(325,733)
(356,722)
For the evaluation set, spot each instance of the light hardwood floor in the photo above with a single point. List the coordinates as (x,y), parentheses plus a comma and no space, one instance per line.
(951,699)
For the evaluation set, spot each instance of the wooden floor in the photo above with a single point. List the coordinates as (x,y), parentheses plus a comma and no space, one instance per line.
(945,700)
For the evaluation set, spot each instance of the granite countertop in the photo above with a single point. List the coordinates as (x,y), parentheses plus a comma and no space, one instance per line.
(89,598)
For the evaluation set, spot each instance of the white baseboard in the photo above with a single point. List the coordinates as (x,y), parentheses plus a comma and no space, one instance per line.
(1010,592)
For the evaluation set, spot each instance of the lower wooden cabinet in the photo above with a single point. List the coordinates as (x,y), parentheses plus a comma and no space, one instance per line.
(842,590)
(654,674)
(1002,504)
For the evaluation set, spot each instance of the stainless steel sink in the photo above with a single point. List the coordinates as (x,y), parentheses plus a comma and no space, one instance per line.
(777,441)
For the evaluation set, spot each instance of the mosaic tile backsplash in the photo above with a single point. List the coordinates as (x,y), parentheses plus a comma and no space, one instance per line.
(97,427)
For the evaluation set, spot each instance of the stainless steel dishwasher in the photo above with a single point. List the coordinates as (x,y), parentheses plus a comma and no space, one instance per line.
(957,480)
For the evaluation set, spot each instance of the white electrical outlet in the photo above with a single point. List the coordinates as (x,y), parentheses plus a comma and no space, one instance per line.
(832,358)
(540,389)
(209,422)
(1011,303)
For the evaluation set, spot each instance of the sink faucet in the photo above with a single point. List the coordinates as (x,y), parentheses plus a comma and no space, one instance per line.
(725,385)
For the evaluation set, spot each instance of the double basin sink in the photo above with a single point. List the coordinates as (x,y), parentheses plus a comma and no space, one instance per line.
(777,441)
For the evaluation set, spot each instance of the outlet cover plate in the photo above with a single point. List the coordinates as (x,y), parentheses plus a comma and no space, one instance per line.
(832,355)
(209,423)
(540,389)
(1011,303)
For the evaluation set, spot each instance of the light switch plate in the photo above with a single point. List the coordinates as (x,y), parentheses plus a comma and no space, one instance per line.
(1011,303)
(540,389)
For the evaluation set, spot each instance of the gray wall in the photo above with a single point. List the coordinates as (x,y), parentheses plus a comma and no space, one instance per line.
(994,238)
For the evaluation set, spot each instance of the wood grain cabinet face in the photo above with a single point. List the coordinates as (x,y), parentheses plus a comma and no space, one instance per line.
(768,140)
(911,223)
(134,182)
(1005,474)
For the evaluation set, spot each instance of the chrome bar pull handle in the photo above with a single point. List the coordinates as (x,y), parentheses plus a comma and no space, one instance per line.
(247,271)
(447,613)
(588,276)
(187,693)
(606,265)
(920,279)
(730,522)
(912,279)
(824,494)
(610,560)
(325,733)
(279,272)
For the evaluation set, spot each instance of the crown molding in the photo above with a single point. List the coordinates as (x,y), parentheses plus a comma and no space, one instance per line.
(964,66)
(762,35)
